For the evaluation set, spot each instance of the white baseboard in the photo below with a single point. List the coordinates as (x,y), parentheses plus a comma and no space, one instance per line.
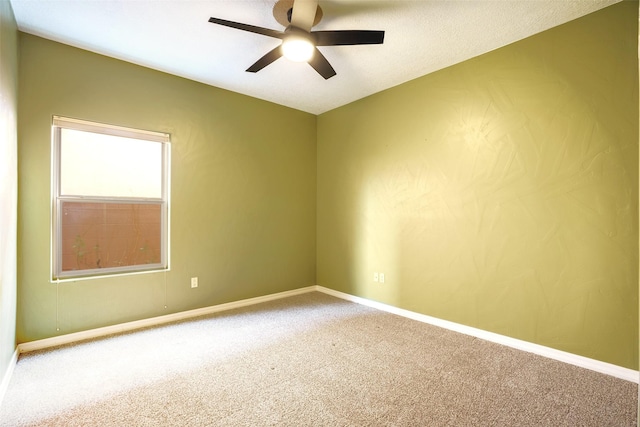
(551,353)
(573,359)
(153,321)
(4,385)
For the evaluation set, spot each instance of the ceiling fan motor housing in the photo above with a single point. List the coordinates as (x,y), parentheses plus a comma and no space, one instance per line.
(283,10)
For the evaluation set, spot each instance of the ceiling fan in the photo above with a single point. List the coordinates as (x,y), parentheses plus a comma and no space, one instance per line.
(299,43)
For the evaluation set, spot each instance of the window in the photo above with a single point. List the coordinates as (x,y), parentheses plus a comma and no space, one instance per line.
(110,199)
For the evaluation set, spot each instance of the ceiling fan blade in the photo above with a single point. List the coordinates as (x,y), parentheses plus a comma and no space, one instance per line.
(321,65)
(265,60)
(304,13)
(347,37)
(246,27)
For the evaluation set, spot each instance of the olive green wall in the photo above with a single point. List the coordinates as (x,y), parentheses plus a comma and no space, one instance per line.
(8,183)
(243,192)
(500,193)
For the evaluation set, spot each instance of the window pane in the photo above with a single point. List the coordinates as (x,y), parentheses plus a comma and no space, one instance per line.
(94,164)
(106,235)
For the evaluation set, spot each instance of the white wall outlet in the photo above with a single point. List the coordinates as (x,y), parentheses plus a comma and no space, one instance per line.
(194,282)
(381,277)
(375,277)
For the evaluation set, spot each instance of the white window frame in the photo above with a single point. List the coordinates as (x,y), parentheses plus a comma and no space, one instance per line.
(59,123)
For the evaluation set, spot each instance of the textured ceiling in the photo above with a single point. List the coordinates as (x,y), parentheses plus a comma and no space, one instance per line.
(175,36)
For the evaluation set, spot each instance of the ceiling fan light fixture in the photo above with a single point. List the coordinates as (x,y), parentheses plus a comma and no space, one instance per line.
(297,47)
(299,43)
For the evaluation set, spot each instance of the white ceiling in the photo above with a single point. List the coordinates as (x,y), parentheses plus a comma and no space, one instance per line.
(421,36)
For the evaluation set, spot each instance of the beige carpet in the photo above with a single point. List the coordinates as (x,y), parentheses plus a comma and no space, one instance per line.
(309,360)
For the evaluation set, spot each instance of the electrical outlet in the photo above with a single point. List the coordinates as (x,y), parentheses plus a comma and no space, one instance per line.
(194,282)
(375,277)
(381,277)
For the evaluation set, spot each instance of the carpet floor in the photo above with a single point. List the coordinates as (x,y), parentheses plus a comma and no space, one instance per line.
(307,360)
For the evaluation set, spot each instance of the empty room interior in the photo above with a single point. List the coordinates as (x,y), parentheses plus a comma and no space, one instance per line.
(495,196)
